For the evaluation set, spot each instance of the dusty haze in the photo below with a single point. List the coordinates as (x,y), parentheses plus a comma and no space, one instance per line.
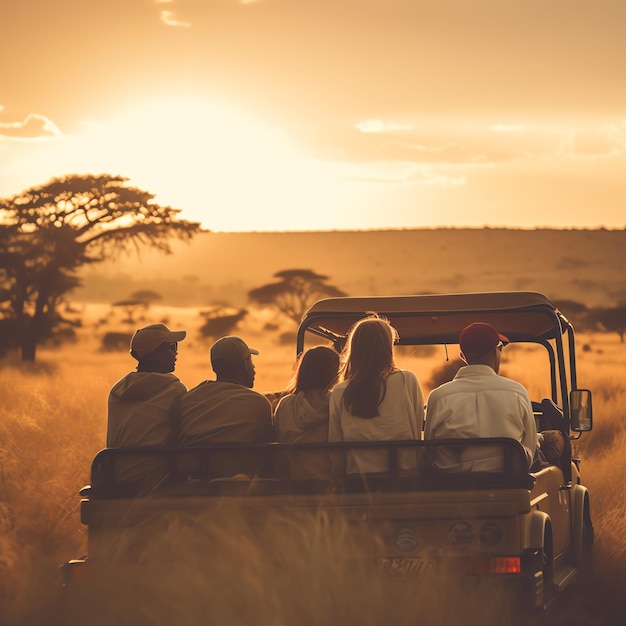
(583,265)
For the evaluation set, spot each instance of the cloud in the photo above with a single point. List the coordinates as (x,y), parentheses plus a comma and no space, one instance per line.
(508,128)
(424,146)
(596,144)
(398,172)
(167,17)
(35,126)
(433,141)
(471,154)
(378,126)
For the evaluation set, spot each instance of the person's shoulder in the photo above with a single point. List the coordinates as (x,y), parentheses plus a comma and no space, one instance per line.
(158,379)
(285,401)
(156,375)
(441,390)
(258,398)
(199,391)
(164,378)
(512,384)
(124,380)
(408,375)
(256,394)
(336,395)
(172,378)
(283,409)
(180,386)
(339,388)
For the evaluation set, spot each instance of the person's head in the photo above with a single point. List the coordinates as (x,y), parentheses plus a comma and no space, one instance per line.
(317,368)
(369,347)
(366,361)
(231,360)
(481,344)
(155,347)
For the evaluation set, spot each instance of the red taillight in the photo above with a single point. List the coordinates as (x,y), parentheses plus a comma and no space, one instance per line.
(495,565)
(74,571)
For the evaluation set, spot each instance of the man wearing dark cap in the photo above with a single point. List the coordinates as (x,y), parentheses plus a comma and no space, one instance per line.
(479,402)
(227,410)
(143,406)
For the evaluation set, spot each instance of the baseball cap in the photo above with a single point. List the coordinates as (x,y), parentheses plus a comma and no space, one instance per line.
(149,338)
(230,350)
(479,338)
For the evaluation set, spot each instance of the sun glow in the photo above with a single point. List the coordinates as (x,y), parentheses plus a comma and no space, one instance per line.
(221,166)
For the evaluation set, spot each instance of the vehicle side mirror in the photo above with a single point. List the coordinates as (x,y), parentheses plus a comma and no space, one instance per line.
(580,410)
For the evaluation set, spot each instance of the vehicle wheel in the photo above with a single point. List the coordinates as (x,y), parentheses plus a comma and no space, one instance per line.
(588,534)
(547,567)
(583,536)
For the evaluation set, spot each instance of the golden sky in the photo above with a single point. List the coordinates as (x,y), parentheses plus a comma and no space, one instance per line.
(325,114)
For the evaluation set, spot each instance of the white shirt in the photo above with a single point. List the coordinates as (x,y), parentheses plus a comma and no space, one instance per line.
(479,403)
(400,416)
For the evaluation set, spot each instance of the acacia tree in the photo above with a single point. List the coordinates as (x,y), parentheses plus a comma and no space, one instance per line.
(147,296)
(610,319)
(48,232)
(131,307)
(294,292)
(221,321)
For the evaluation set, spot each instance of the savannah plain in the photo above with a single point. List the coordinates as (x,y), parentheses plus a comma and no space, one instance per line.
(54,420)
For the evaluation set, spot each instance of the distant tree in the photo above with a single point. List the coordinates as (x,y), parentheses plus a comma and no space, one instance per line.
(131,308)
(619,296)
(571,307)
(147,296)
(294,292)
(576,312)
(115,341)
(221,321)
(610,319)
(445,373)
(48,232)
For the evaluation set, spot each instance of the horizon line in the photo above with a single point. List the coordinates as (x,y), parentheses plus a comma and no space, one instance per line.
(412,228)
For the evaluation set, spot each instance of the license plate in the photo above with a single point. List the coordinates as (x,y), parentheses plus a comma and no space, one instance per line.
(404,566)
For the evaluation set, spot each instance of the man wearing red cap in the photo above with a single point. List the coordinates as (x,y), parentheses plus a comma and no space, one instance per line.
(480,403)
(143,406)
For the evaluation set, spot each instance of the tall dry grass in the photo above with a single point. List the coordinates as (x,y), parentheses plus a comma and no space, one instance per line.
(302,570)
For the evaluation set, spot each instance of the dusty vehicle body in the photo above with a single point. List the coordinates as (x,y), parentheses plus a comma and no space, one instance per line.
(529,532)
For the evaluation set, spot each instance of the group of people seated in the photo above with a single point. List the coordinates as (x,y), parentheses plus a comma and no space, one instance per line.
(356,395)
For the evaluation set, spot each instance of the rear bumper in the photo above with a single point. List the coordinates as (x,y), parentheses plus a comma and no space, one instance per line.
(516,581)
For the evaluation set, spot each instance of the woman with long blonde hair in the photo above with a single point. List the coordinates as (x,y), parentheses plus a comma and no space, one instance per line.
(376,400)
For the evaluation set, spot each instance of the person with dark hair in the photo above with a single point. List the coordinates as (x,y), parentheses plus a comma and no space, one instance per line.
(479,402)
(376,400)
(143,406)
(301,415)
(227,410)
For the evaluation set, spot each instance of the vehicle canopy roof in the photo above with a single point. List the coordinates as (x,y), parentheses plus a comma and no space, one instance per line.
(524,316)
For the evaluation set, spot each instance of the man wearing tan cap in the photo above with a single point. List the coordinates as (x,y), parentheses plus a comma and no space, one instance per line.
(227,410)
(143,406)
(480,403)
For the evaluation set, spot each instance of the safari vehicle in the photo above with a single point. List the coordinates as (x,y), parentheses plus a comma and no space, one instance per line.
(530,532)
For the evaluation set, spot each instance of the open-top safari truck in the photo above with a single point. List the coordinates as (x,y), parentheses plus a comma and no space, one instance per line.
(529,532)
